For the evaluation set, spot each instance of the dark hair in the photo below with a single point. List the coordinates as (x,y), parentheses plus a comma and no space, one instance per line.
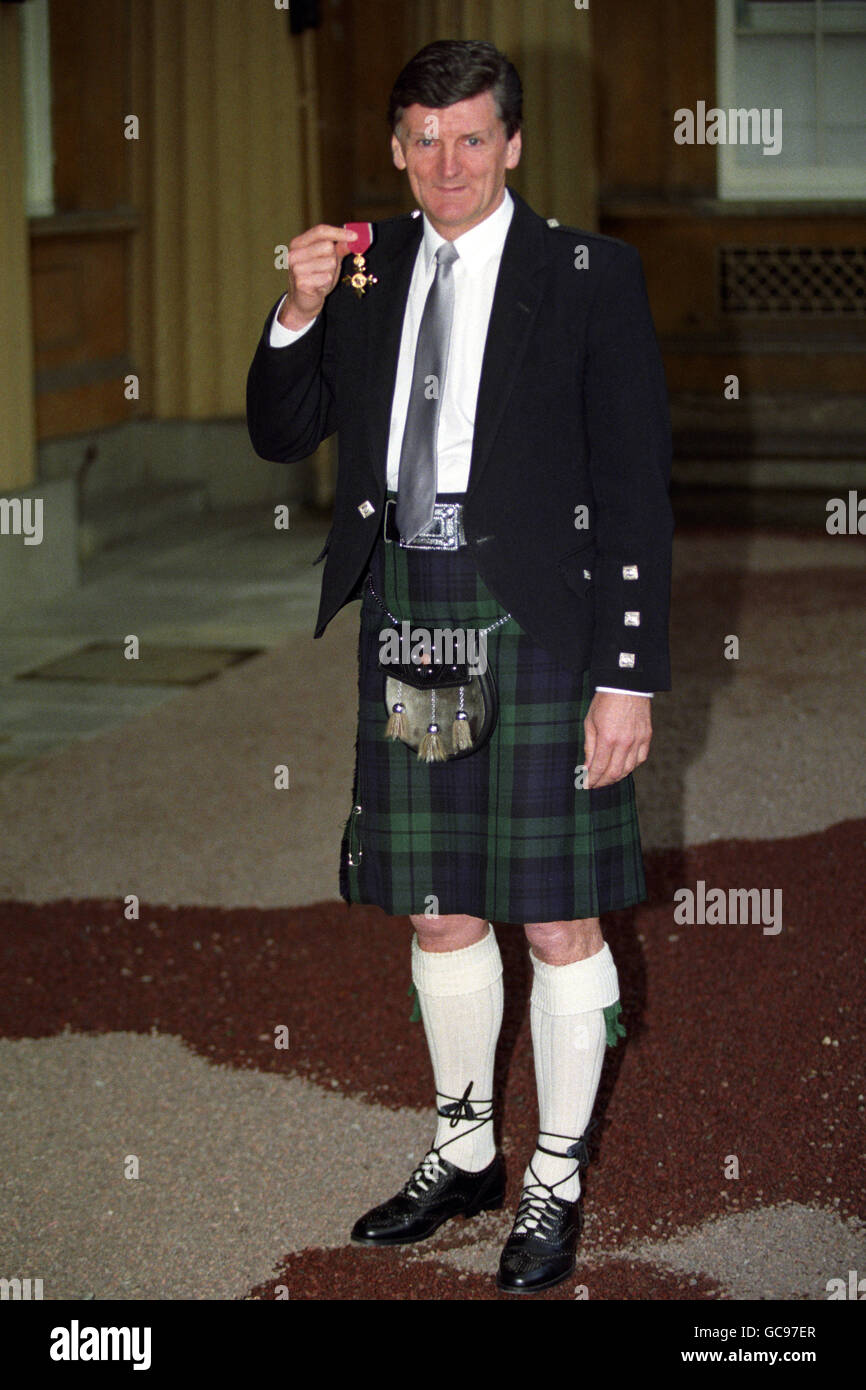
(451,70)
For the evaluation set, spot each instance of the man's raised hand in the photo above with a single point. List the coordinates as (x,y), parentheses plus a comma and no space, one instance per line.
(314,268)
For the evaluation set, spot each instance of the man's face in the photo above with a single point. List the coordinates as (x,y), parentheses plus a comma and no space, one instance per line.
(455,158)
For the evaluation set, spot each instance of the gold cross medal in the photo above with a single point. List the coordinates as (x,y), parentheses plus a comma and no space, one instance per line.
(362,243)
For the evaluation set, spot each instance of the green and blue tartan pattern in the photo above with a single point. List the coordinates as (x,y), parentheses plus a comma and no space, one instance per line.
(504,834)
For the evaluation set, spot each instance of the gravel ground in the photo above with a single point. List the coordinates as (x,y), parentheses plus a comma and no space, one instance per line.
(153,1038)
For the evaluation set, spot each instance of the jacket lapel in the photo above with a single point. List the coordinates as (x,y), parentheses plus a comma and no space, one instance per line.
(516,299)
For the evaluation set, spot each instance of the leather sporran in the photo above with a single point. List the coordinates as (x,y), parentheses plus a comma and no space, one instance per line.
(440,710)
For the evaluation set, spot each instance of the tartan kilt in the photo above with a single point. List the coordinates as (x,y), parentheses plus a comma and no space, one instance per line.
(503,834)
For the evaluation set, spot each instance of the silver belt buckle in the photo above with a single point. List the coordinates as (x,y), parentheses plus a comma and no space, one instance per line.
(445,531)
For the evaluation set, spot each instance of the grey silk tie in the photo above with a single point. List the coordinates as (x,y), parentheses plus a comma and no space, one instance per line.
(416,480)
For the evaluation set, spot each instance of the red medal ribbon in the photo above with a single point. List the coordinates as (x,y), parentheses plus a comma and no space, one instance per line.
(364,239)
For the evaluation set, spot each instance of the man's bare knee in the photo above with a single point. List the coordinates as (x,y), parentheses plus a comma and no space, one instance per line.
(449,932)
(560,943)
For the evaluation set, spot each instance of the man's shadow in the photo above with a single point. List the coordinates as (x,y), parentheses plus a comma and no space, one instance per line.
(710,554)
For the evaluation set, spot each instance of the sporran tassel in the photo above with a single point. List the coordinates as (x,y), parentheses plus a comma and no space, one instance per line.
(432,746)
(461,734)
(396,726)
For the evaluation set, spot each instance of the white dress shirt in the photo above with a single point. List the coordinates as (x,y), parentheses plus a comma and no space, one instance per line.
(479,252)
(475,271)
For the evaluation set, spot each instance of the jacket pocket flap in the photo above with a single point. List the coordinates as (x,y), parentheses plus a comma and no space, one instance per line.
(576,568)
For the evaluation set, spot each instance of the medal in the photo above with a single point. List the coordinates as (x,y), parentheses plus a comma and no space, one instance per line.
(360,279)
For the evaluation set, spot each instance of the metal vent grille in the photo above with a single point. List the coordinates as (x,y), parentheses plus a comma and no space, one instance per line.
(813,280)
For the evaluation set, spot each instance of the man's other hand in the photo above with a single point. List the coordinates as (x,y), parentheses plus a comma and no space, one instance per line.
(314,268)
(618,732)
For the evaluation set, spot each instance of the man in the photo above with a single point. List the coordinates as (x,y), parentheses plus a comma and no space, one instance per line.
(504,462)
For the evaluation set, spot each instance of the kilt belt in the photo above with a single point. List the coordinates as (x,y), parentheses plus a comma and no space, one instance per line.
(445,531)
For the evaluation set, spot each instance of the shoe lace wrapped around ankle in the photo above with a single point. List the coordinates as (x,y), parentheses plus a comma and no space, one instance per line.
(430,1168)
(535,1212)
(460,1108)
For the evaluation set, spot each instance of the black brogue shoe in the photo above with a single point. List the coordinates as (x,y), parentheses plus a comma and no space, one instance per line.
(436,1191)
(540,1252)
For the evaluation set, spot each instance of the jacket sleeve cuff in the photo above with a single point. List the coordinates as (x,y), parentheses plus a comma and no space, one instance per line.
(280,336)
(618,690)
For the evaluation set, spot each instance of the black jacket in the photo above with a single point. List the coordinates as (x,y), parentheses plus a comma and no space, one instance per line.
(571,413)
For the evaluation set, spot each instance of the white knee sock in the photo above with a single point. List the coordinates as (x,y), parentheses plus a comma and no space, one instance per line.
(568,1039)
(460,995)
